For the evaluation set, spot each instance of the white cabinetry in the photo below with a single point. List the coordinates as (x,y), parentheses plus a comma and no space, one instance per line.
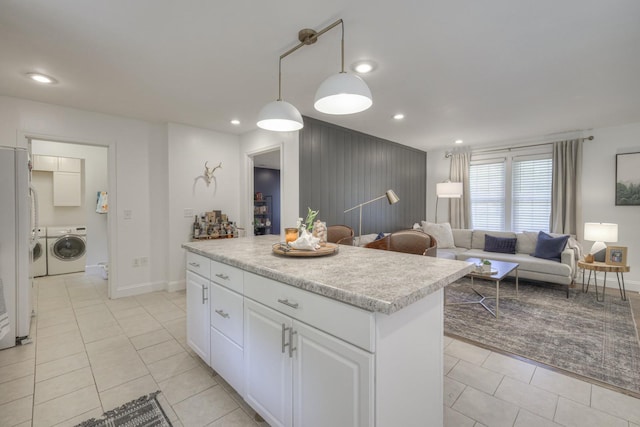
(67,178)
(297,375)
(67,189)
(198,291)
(198,315)
(68,164)
(56,164)
(267,364)
(227,324)
(45,163)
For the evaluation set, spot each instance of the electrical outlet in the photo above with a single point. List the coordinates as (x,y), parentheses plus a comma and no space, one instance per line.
(127,214)
(135,263)
(189,213)
(144,261)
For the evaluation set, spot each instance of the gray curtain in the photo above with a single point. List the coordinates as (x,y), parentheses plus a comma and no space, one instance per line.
(566,199)
(460,209)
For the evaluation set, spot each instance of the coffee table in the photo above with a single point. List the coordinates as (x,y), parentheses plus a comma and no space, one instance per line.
(500,270)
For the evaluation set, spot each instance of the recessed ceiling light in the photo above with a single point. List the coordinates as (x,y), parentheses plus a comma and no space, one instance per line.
(41,78)
(235,122)
(458,141)
(363,67)
(398,116)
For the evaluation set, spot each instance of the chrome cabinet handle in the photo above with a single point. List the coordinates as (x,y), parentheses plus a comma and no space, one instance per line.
(284,329)
(222,313)
(288,303)
(204,298)
(194,264)
(291,347)
(222,276)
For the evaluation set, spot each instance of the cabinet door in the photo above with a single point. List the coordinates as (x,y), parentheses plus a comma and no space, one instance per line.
(45,163)
(227,360)
(67,164)
(267,365)
(67,189)
(332,381)
(198,315)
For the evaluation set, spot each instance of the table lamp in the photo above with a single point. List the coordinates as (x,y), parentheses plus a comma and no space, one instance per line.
(600,232)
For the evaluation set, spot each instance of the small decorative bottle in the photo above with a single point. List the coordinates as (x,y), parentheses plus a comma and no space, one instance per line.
(196,228)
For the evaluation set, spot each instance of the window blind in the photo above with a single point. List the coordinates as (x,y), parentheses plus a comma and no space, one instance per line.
(531,194)
(487,188)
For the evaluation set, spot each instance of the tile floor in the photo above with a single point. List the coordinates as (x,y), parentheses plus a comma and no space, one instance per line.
(91,354)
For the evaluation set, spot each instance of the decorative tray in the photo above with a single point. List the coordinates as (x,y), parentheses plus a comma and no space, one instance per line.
(284,249)
(485,273)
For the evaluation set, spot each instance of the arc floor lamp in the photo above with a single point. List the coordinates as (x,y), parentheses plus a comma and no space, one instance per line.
(392,198)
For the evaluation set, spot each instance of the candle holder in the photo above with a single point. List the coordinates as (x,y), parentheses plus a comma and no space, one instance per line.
(290,234)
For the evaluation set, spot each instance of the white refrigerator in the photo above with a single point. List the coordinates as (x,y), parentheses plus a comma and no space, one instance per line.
(15,233)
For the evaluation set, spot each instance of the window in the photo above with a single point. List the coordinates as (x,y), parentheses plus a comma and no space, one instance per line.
(511,192)
(531,195)
(486,181)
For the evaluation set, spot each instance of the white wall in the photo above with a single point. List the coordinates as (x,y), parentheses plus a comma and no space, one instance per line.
(130,144)
(188,149)
(259,141)
(95,178)
(598,189)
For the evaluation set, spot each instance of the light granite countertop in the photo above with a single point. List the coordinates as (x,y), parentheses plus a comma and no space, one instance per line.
(374,280)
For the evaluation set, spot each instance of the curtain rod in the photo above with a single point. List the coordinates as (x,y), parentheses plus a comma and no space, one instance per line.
(492,150)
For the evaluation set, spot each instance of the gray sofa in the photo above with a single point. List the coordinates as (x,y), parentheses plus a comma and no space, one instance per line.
(470,244)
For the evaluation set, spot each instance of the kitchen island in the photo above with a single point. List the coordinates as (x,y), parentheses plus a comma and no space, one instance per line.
(350,339)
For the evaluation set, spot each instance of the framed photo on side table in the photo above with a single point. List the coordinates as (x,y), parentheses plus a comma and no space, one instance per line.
(616,255)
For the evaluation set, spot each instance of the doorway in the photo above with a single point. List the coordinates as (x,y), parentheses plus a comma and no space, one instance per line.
(267,192)
(69,177)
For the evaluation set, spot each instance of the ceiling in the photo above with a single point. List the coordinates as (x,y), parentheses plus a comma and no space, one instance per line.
(482,71)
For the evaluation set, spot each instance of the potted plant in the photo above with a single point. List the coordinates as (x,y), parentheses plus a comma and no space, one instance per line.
(486,265)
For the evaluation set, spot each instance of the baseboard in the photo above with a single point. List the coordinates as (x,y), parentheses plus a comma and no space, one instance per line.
(629,285)
(139,288)
(179,285)
(93,270)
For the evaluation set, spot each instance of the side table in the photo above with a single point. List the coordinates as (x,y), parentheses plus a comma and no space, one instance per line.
(595,267)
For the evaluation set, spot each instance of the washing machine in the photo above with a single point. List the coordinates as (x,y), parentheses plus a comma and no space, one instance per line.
(66,249)
(39,254)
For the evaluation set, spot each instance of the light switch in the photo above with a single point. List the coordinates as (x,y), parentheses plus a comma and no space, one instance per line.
(189,213)
(127,213)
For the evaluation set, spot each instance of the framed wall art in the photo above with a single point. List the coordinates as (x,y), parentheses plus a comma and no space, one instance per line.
(616,255)
(628,179)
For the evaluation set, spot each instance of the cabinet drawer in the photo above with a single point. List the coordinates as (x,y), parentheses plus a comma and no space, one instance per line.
(199,264)
(226,275)
(226,312)
(341,320)
(227,359)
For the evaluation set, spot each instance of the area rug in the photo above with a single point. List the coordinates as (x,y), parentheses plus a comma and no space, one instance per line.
(597,340)
(144,411)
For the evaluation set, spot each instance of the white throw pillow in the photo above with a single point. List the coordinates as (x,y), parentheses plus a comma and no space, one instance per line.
(442,233)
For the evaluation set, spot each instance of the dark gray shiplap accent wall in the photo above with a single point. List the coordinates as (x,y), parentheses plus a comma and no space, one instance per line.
(341,168)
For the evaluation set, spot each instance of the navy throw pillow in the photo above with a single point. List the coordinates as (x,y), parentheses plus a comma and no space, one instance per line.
(379,236)
(549,247)
(504,245)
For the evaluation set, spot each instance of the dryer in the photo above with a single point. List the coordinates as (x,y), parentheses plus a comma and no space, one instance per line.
(66,249)
(39,254)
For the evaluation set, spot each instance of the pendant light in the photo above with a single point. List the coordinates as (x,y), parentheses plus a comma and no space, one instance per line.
(343,93)
(339,94)
(279,115)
